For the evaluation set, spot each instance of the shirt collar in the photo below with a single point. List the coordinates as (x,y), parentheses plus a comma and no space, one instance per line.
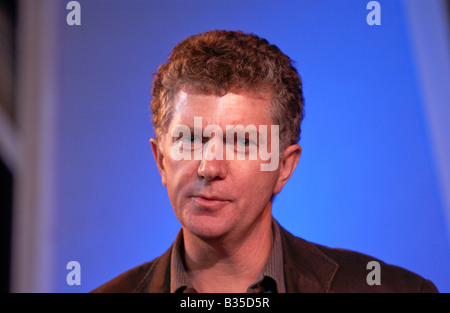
(272,269)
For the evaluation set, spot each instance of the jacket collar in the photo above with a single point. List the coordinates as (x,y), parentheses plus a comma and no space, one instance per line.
(306,268)
(157,277)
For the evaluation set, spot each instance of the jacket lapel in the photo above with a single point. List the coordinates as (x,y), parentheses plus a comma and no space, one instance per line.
(306,268)
(157,276)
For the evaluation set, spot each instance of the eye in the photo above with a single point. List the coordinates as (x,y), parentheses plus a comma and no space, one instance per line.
(191,139)
(244,142)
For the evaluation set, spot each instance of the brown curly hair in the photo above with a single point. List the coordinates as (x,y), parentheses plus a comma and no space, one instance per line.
(220,61)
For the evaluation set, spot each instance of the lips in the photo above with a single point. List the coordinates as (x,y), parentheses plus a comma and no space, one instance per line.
(209,202)
(210,197)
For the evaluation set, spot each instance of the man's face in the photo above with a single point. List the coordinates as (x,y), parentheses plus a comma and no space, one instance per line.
(219,196)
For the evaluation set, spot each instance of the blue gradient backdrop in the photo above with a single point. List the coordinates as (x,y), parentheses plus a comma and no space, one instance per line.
(366,180)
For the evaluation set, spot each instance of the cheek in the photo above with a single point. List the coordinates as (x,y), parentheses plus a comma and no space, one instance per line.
(178,176)
(257,186)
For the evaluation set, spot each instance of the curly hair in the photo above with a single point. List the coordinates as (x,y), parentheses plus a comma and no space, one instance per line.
(220,61)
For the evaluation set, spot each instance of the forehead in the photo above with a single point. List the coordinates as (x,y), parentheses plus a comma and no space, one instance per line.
(243,108)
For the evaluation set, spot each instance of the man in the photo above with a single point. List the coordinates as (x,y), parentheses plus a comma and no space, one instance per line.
(227,109)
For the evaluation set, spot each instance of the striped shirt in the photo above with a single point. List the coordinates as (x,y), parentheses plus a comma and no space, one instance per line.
(271,279)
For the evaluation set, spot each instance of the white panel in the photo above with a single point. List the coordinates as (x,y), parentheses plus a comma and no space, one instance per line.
(34,180)
(430,37)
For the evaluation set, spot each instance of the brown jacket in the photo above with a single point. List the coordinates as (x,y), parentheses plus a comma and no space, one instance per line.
(308,267)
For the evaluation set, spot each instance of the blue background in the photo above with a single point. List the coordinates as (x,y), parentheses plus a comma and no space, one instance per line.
(366,179)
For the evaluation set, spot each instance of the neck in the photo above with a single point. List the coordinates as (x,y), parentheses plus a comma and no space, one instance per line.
(230,263)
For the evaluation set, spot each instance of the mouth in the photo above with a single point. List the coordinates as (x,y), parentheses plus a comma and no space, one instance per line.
(209,202)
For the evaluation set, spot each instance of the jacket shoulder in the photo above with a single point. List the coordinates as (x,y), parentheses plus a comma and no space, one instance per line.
(310,267)
(152,276)
(358,272)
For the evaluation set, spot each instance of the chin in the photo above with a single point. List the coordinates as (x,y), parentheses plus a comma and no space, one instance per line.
(207,227)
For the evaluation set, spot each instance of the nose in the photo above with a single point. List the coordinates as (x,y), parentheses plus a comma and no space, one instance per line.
(213,166)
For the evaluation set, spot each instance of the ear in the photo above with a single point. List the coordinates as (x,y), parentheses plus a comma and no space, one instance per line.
(159,156)
(288,163)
